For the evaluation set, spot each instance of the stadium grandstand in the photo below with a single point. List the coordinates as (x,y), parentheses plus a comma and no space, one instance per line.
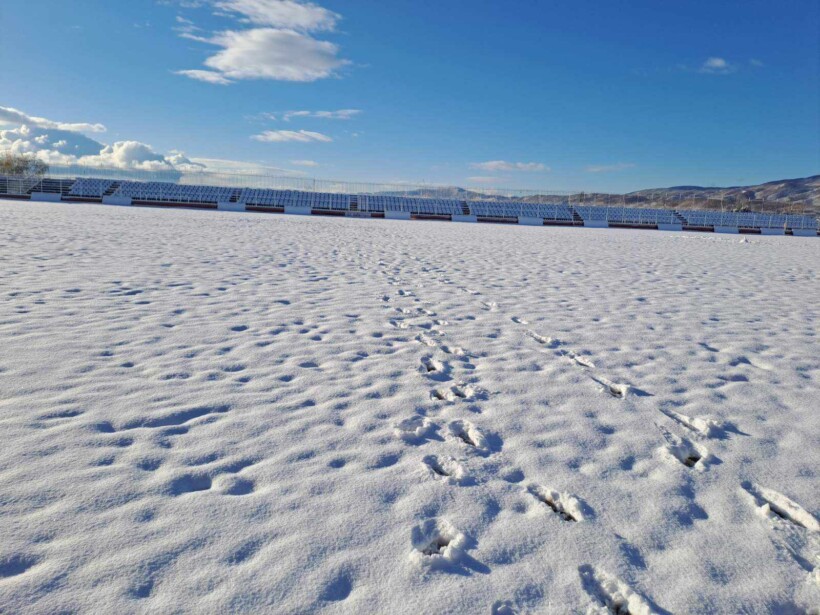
(416,203)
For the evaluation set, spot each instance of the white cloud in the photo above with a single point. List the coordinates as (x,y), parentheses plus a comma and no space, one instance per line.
(187,29)
(341,114)
(268,53)
(129,155)
(305,17)
(756,63)
(716,66)
(279,45)
(63,143)
(60,143)
(58,146)
(181,162)
(503,165)
(281,136)
(208,76)
(608,168)
(15,117)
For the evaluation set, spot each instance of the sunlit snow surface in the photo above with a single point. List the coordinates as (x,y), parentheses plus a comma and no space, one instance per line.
(218,412)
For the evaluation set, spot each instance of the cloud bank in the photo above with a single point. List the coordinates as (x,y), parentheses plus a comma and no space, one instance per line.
(64,143)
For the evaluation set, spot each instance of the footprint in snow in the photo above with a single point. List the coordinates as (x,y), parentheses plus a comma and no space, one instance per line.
(453,393)
(690,454)
(578,359)
(568,507)
(434,369)
(416,430)
(616,389)
(547,341)
(423,339)
(445,469)
(774,505)
(701,425)
(470,435)
(453,350)
(614,594)
(437,544)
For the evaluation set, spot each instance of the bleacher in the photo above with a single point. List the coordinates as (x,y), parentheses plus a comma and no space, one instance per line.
(514,209)
(331,201)
(508,211)
(802,222)
(167,192)
(639,216)
(90,187)
(294,198)
(411,205)
(709,218)
(556,212)
(493,209)
(592,213)
(261,197)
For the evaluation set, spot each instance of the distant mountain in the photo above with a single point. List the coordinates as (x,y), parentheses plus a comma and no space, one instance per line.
(802,194)
(806,189)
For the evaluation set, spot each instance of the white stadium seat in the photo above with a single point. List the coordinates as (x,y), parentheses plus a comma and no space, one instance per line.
(90,187)
(169,192)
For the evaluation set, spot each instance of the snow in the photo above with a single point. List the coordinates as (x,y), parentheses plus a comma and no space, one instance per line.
(218,412)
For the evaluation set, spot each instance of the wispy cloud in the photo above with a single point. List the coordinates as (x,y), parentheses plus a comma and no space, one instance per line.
(716,66)
(305,17)
(278,43)
(483,179)
(245,168)
(188,29)
(341,114)
(503,165)
(283,136)
(609,168)
(15,117)
(208,76)
(304,163)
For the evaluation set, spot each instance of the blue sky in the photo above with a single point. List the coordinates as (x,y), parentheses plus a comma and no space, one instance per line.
(526,93)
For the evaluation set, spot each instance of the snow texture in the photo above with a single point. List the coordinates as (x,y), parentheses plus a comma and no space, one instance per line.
(220,412)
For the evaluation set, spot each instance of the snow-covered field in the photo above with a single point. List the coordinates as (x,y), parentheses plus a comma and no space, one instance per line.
(218,412)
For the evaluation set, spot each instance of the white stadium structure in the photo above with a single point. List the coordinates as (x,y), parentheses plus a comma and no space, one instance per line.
(380,204)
